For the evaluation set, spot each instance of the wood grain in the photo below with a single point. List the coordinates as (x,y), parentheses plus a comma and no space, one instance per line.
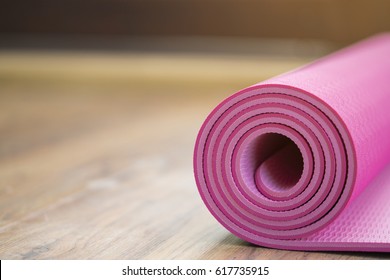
(100,171)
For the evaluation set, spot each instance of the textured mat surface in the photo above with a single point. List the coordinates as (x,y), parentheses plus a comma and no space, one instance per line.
(302,161)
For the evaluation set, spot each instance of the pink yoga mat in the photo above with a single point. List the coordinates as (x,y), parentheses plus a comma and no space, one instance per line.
(302,161)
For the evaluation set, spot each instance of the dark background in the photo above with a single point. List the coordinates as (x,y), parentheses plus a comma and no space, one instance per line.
(337,21)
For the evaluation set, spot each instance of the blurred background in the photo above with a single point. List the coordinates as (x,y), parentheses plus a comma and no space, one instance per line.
(101,101)
(339,21)
(215,31)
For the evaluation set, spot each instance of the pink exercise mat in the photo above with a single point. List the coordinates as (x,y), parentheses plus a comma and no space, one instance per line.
(302,161)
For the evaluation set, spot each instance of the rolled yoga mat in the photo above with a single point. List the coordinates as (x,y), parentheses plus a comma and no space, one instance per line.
(302,161)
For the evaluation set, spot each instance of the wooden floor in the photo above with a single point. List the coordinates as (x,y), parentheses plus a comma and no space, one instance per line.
(100,167)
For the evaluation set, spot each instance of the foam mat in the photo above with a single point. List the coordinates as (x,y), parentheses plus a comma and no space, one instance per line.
(302,161)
